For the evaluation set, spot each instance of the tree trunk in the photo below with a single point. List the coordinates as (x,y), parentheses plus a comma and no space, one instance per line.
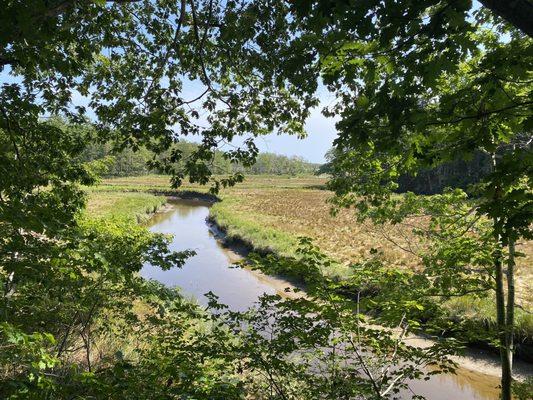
(510,302)
(505,330)
(502,324)
(517,12)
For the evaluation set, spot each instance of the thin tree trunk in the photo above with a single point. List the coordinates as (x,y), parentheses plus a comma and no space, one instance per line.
(501,311)
(502,326)
(510,302)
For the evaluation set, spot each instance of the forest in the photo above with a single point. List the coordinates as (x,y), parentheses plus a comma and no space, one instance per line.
(149,250)
(133,163)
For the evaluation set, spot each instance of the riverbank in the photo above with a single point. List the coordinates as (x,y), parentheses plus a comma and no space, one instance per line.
(136,207)
(477,371)
(486,366)
(268,214)
(483,361)
(271,219)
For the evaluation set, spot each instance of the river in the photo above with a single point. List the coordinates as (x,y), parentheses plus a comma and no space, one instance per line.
(211,270)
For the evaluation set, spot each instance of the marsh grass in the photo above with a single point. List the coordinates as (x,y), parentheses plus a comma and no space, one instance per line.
(483,312)
(272,212)
(135,207)
(274,218)
(479,315)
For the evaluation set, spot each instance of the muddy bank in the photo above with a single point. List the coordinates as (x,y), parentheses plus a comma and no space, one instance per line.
(480,360)
(236,243)
(192,195)
(241,247)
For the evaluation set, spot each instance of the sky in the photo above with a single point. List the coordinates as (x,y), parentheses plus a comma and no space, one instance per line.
(320,130)
(321,133)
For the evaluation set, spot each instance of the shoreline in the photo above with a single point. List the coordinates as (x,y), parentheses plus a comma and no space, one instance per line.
(474,359)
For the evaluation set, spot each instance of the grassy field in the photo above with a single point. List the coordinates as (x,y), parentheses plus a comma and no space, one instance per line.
(275,217)
(130,205)
(272,212)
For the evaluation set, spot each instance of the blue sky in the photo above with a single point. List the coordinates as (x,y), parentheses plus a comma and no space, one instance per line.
(321,133)
(321,130)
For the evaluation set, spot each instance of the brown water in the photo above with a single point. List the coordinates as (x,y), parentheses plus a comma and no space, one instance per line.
(210,270)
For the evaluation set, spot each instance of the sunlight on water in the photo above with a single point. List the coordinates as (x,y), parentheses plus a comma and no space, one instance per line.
(210,270)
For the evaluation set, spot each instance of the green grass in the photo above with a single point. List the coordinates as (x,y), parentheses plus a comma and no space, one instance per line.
(271,212)
(132,206)
(480,314)
(261,232)
(248,227)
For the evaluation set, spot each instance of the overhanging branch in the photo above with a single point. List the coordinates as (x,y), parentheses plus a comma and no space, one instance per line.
(517,12)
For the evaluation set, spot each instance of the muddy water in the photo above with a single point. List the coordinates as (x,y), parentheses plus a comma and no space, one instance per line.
(210,270)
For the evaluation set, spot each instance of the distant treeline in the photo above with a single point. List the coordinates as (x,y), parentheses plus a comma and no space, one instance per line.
(455,174)
(460,173)
(129,163)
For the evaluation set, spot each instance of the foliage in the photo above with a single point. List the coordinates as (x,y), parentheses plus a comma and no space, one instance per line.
(322,346)
(522,390)
(417,84)
(276,164)
(421,85)
(64,288)
(458,173)
(131,61)
(73,280)
(133,163)
(273,217)
(474,318)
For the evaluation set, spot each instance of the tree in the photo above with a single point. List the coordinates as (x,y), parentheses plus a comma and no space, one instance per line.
(128,61)
(324,344)
(131,60)
(417,82)
(517,13)
(419,85)
(458,173)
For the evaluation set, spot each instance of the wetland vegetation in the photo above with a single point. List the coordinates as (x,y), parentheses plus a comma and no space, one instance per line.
(270,213)
(367,276)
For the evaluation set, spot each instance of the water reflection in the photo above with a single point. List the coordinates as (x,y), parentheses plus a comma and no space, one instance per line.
(465,384)
(210,270)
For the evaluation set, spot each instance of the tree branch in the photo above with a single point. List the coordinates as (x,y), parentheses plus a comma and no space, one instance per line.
(480,114)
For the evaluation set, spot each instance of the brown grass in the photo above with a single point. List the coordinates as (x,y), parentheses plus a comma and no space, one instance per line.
(283,208)
(306,212)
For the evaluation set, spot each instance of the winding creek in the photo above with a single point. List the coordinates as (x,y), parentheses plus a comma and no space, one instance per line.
(210,270)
